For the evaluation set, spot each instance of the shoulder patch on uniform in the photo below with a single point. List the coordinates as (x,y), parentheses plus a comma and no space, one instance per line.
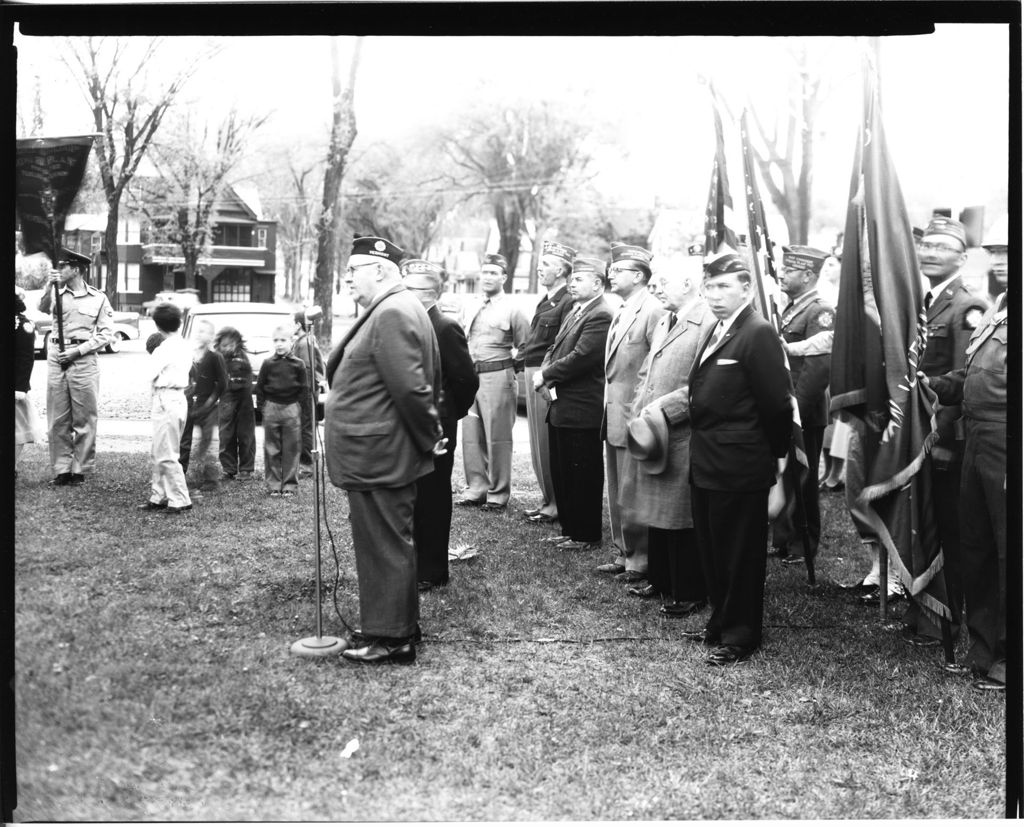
(973,317)
(28,327)
(825,319)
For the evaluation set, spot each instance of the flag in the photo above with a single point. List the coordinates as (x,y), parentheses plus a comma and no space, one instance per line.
(766,301)
(880,335)
(717,232)
(49,172)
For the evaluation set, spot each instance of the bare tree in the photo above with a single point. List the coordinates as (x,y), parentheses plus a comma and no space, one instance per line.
(519,159)
(194,166)
(343,134)
(113,79)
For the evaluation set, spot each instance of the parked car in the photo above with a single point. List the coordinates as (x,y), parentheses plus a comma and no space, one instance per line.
(254,320)
(126,325)
(186,298)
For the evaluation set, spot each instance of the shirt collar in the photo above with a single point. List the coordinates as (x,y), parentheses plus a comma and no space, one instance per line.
(587,303)
(727,323)
(936,291)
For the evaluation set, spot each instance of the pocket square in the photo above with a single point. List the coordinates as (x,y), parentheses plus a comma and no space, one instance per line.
(726,362)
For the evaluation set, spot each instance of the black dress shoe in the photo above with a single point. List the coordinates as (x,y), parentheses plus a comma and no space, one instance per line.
(874,597)
(541,519)
(493,506)
(682,609)
(793,561)
(468,502)
(149,505)
(62,479)
(957,668)
(175,509)
(76,479)
(643,591)
(425,585)
(857,588)
(910,635)
(610,568)
(382,653)
(781,552)
(630,576)
(728,654)
(987,684)
(703,636)
(530,512)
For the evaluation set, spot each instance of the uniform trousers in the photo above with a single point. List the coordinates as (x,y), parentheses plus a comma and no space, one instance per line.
(167,480)
(537,407)
(578,476)
(983,544)
(630,539)
(732,532)
(237,433)
(282,441)
(788,526)
(674,564)
(487,438)
(385,560)
(71,412)
(946,502)
(432,517)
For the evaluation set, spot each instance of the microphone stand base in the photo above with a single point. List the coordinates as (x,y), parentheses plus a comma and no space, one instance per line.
(319,647)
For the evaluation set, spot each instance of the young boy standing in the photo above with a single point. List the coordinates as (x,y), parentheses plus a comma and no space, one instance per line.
(170,362)
(280,387)
(208,380)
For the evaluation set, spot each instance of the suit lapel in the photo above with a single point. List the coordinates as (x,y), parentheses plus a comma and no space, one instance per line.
(626,321)
(336,356)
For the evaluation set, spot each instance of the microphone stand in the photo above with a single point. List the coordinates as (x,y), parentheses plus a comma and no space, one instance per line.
(318,646)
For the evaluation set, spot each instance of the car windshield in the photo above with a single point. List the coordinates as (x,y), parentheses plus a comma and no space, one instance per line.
(256,328)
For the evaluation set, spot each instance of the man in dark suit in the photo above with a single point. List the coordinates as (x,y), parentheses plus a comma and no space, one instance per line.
(741,419)
(432,517)
(953,313)
(553,274)
(806,316)
(573,377)
(382,432)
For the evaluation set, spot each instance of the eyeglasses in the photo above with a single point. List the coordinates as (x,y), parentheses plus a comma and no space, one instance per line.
(614,271)
(928,246)
(352,269)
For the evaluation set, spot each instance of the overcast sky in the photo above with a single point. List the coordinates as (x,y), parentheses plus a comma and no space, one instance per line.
(945,99)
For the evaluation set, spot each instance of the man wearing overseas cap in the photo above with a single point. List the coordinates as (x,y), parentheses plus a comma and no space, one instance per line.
(629,342)
(73,376)
(953,313)
(553,273)
(432,517)
(495,328)
(806,315)
(573,377)
(381,433)
(741,428)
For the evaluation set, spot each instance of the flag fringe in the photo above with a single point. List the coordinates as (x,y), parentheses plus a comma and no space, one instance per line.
(901,478)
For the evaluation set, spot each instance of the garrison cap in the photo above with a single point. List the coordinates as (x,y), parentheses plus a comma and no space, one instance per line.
(422,267)
(554,248)
(370,245)
(496,260)
(799,257)
(631,252)
(996,246)
(943,225)
(73,259)
(727,263)
(590,265)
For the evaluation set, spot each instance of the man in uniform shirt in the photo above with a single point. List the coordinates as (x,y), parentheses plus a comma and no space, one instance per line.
(953,313)
(495,328)
(997,269)
(553,274)
(629,342)
(806,315)
(980,385)
(573,377)
(432,516)
(73,376)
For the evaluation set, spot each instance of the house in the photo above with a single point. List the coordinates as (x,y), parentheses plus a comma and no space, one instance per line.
(241,265)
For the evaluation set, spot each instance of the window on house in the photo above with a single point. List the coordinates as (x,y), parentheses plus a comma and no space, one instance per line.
(232,235)
(129,281)
(232,286)
(261,237)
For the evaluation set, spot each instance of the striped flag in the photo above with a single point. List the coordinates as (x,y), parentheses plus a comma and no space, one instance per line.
(718,234)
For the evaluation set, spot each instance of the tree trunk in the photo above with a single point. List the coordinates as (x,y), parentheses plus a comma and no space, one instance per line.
(535,254)
(110,241)
(343,134)
(510,234)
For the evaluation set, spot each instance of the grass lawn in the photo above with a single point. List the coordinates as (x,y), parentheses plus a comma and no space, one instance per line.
(154,681)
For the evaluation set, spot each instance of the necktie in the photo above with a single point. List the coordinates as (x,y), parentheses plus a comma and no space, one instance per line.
(578,313)
(715,337)
(927,300)
(672,318)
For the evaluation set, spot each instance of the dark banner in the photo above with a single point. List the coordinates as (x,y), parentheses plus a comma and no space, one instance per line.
(49,174)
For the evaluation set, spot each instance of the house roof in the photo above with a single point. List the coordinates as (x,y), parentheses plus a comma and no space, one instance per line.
(248,196)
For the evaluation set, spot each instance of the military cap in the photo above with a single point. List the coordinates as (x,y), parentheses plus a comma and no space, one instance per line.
(695,249)
(369,245)
(918,233)
(996,247)
(72,259)
(631,252)
(799,257)
(589,265)
(943,225)
(422,267)
(726,263)
(554,248)
(496,260)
